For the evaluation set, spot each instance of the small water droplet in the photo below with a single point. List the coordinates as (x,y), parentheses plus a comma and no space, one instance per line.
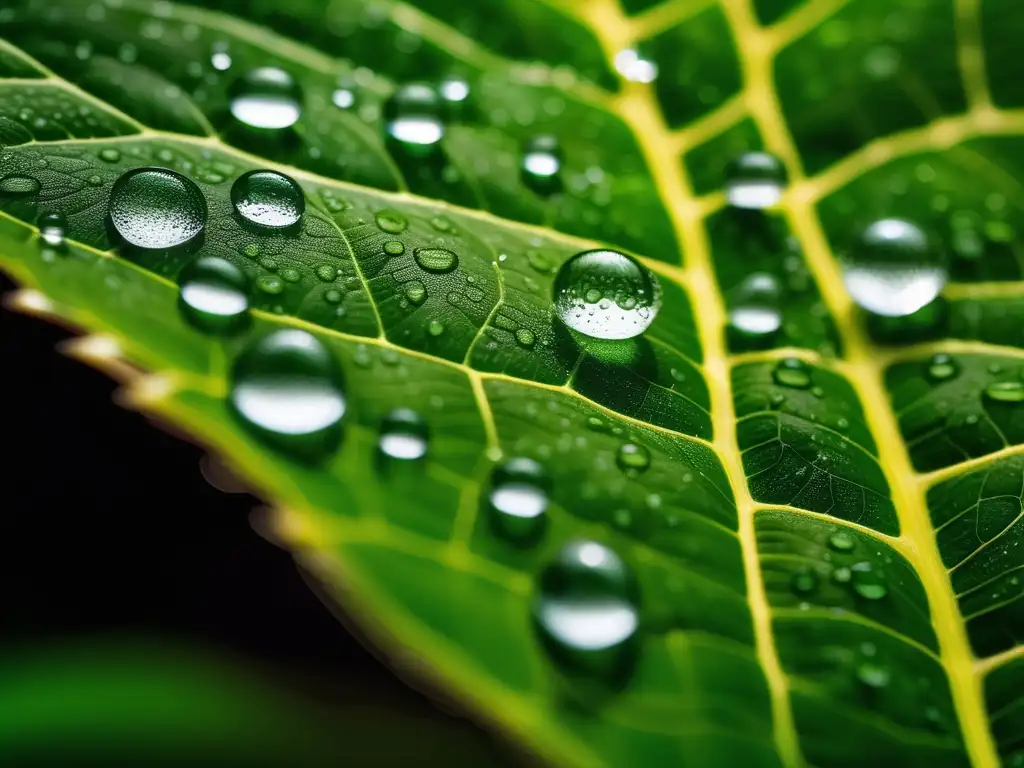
(841,541)
(942,367)
(894,269)
(53,229)
(1005,391)
(413,117)
(288,389)
(221,61)
(391,221)
(804,582)
(756,311)
(403,435)
(525,337)
(270,284)
(18,184)
(587,609)
(873,675)
(415,292)
(754,180)
(868,582)
(110,155)
(842,575)
(542,161)
(792,372)
(518,500)
(435,328)
(605,294)
(266,98)
(326,272)
(343,98)
(214,296)
(394,248)
(157,208)
(268,199)
(633,458)
(436,259)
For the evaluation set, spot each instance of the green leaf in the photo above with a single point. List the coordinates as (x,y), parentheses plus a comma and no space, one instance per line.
(827,569)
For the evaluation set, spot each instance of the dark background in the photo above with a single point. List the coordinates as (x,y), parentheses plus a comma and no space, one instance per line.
(110,528)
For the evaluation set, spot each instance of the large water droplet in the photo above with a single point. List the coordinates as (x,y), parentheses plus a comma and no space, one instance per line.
(792,372)
(942,367)
(1005,391)
(436,259)
(542,160)
(53,229)
(288,389)
(633,458)
(586,609)
(267,98)
(18,184)
(214,296)
(606,295)
(868,581)
(894,269)
(268,199)
(157,208)
(413,117)
(756,311)
(403,435)
(518,500)
(754,180)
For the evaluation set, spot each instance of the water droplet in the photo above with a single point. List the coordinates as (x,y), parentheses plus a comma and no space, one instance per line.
(868,582)
(518,500)
(542,160)
(214,296)
(267,98)
(17,184)
(270,284)
(942,367)
(415,292)
(53,229)
(455,89)
(804,582)
(394,248)
(606,295)
(268,199)
(110,155)
(894,269)
(403,435)
(873,675)
(157,208)
(436,259)
(435,328)
(221,61)
(756,311)
(343,98)
(754,180)
(413,117)
(792,372)
(633,458)
(288,389)
(841,541)
(525,337)
(842,575)
(635,66)
(326,272)
(586,609)
(1005,391)
(390,221)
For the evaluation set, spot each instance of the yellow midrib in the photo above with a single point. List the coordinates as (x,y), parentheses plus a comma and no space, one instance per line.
(637,107)
(917,536)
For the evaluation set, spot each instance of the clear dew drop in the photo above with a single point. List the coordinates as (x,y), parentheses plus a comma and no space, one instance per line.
(586,609)
(518,500)
(415,292)
(287,388)
(754,180)
(894,269)
(435,328)
(266,98)
(633,458)
(634,65)
(53,228)
(607,295)
(110,155)
(413,117)
(18,184)
(942,367)
(1005,391)
(525,337)
(403,435)
(438,260)
(394,248)
(390,221)
(157,208)
(542,161)
(873,675)
(343,98)
(841,541)
(756,308)
(792,372)
(868,581)
(214,296)
(268,199)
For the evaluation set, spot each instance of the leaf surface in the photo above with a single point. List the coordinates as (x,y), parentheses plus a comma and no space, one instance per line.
(828,574)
